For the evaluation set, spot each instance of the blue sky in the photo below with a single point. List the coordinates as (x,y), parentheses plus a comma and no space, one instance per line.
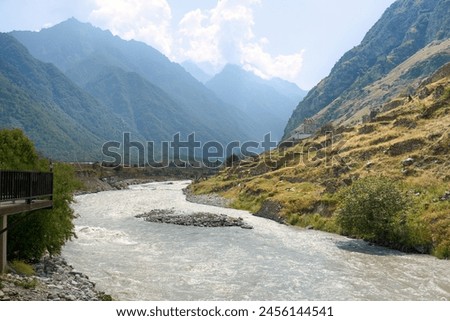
(298,40)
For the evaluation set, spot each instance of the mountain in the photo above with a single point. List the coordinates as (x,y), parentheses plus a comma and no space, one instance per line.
(145,108)
(268,102)
(406,27)
(195,71)
(64,122)
(86,54)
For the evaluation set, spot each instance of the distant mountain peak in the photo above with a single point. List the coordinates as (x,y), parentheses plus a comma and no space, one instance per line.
(71,23)
(75,26)
(268,102)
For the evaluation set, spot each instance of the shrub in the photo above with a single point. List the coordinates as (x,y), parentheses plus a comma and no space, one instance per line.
(446,95)
(375,209)
(102,296)
(22,268)
(438,220)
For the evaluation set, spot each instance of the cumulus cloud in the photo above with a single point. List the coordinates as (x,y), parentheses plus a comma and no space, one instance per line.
(197,38)
(208,37)
(255,59)
(144,20)
(225,34)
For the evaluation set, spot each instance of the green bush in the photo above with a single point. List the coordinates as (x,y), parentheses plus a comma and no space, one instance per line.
(374,209)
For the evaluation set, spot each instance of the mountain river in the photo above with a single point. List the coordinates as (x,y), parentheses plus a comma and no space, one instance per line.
(132,259)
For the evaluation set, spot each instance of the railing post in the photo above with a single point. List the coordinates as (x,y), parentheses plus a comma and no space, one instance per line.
(3,238)
(30,177)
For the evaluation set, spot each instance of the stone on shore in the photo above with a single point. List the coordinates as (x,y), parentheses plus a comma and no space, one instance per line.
(54,280)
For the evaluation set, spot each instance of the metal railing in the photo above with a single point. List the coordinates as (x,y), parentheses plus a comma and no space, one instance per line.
(17,185)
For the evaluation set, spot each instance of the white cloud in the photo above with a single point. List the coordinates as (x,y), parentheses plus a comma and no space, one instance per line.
(255,59)
(225,34)
(209,37)
(197,38)
(144,20)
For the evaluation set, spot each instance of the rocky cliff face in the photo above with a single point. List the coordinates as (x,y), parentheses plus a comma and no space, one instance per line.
(406,28)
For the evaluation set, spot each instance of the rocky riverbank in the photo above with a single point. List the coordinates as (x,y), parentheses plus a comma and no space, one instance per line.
(95,185)
(211,199)
(54,280)
(200,219)
(96,178)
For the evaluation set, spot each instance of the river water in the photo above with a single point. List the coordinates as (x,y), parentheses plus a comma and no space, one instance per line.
(136,260)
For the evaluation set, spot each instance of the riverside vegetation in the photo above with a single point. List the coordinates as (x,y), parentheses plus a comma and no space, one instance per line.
(37,272)
(46,231)
(386,180)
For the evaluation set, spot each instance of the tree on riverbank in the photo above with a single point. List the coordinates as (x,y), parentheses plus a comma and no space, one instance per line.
(31,235)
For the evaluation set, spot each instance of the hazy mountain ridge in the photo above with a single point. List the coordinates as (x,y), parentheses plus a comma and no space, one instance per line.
(268,102)
(196,71)
(140,104)
(406,27)
(82,51)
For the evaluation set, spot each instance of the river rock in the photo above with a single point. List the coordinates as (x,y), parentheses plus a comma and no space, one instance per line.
(201,219)
(408,162)
(446,196)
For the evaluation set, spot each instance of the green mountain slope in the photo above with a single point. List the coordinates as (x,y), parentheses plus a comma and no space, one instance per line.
(404,29)
(140,104)
(64,121)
